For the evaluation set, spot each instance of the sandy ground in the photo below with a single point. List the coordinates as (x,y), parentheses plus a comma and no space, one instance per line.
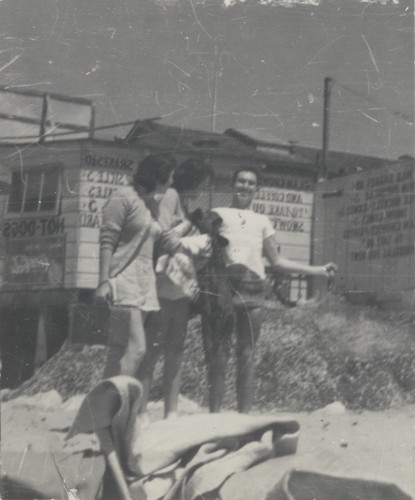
(379,445)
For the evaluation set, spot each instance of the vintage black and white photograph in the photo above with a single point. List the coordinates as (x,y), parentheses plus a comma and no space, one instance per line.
(207,249)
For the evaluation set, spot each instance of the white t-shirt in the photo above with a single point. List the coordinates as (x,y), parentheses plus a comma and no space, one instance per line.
(246,231)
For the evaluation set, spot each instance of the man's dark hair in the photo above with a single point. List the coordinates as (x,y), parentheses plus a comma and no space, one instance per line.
(247,169)
(154,169)
(189,175)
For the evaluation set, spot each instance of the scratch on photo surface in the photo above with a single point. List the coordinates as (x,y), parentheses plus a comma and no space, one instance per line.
(113,109)
(198,22)
(178,67)
(370,117)
(68,187)
(30,84)
(22,460)
(7,50)
(15,58)
(52,31)
(368,80)
(175,111)
(319,52)
(21,163)
(372,57)
(156,97)
(180,83)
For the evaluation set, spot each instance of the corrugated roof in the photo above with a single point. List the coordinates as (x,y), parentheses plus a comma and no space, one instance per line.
(338,162)
(151,134)
(274,152)
(256,136)
(231,144)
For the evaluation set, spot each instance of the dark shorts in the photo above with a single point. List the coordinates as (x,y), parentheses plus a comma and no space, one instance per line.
(248,295)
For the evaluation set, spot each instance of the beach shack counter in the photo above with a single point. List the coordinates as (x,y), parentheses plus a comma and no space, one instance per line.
(49,253)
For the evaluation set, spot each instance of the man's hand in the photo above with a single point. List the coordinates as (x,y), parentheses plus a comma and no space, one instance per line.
(330,273)
(330,268)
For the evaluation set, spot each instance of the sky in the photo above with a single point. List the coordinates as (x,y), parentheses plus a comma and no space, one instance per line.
(199,64)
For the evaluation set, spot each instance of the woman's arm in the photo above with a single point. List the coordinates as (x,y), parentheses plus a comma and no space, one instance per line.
(181,224)
(288,266)
(112,222)
(182,228)
(104,292)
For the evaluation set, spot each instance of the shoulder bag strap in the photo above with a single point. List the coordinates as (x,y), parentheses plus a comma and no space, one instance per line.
(139,240)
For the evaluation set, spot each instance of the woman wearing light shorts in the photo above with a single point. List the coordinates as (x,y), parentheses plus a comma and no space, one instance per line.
(126,270)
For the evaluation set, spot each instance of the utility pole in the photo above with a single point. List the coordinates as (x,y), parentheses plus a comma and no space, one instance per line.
(328,82)
(215,87)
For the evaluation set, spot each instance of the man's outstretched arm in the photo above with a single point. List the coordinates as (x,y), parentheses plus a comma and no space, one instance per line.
(283,265)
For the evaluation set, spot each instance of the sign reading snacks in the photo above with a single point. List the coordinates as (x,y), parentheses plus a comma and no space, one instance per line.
(35,262)
(101,175)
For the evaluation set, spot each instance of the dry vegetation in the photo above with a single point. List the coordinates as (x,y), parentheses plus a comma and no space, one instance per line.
(307,357)
(319,352)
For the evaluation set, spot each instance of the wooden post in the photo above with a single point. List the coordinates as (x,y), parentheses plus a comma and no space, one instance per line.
(41,350)
(44,118)
(92,122)
(326,119)
(211,187)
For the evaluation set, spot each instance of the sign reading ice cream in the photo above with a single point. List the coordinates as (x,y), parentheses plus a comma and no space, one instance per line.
(288,204)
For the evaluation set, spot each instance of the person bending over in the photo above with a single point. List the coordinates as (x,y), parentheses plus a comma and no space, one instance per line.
(250,236)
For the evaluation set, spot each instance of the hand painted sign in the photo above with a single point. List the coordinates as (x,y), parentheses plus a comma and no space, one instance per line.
(101,175)
(35,262)
(380,215)
(24,228)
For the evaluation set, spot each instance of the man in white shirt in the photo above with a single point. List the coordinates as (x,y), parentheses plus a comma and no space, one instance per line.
(251,235)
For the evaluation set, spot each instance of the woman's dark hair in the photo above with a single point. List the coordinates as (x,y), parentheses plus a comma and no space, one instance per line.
(189,175)
(247,169)
(154,169)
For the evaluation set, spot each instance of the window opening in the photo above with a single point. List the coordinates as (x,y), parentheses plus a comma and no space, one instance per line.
(34,191)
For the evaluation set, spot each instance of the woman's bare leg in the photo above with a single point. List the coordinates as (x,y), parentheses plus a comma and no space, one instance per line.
(177,313)
(154,329)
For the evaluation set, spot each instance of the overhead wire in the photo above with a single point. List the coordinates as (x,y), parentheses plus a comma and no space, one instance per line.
(400,114)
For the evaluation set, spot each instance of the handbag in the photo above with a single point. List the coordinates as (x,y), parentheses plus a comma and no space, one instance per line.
(99,324)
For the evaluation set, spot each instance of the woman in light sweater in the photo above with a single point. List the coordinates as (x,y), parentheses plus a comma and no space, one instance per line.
(126,271)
